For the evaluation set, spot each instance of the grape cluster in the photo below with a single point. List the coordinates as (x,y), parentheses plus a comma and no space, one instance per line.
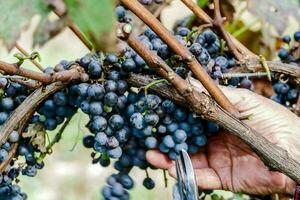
(287,93)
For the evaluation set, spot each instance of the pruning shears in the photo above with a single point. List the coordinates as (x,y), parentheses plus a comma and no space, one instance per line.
(186,186)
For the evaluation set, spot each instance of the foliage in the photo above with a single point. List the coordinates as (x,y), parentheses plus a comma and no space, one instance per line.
(17,14)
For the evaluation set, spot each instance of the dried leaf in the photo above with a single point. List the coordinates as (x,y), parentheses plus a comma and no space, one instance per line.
(47,30)
(275,12)
(37,132)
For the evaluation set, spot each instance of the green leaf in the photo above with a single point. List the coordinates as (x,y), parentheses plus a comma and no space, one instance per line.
(202,3)
(17,15)
(95,18)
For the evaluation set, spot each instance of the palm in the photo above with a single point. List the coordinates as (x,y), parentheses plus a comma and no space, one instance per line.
(234,167)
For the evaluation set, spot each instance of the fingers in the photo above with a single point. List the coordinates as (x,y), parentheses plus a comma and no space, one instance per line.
(159,160)
(241,98)
(206,178)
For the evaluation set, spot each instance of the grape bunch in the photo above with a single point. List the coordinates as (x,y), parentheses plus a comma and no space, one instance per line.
(286,93)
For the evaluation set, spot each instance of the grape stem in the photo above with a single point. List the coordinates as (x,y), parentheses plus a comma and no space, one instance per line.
(152,84)
(165,178)
(55,140)
(182,51)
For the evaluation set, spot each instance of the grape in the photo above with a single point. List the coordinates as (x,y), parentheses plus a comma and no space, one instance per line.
(3,117)
(287,39)
(182,31)
(200,140)
(13,137)
(96,91)
(297,36)
(137,120)
(110,86)
(172,127)
(212,127)
(180,136)
(283,53)
(97,124)
(148,183)
(101,138)
(181,146)
(6,146)
(128,65)
(30,171)
(115,153)
(122,87)
(3,155)
(122,135)
(246,83)
(222,62)
(114,75)
(50,124)
(106,192)
(7,103)
(116,122)
(180,114)
(126,181)
(85,107)
(3,83)
(145,2)
(164,52)
(168,141)
(104,162)
(94,69)
(151,142)
(151,119)
(110,99)
(95,108)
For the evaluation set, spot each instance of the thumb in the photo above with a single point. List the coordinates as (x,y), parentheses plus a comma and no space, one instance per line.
(242,99)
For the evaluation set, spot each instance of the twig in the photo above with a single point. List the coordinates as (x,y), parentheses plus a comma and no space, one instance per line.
(22,112)
(182,51)
(23,51)
(254,65)
(11,155)
(72,74)
(21,125)
(218,23)
(77,32)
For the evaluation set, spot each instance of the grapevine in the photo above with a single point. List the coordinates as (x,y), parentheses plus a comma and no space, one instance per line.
(141,98)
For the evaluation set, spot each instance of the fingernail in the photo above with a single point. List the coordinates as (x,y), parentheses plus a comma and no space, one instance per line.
(172,171)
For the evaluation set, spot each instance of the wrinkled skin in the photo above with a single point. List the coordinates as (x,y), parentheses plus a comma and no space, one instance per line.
(227,163)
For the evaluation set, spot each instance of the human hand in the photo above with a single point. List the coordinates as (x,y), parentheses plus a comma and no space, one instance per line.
(229,164)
